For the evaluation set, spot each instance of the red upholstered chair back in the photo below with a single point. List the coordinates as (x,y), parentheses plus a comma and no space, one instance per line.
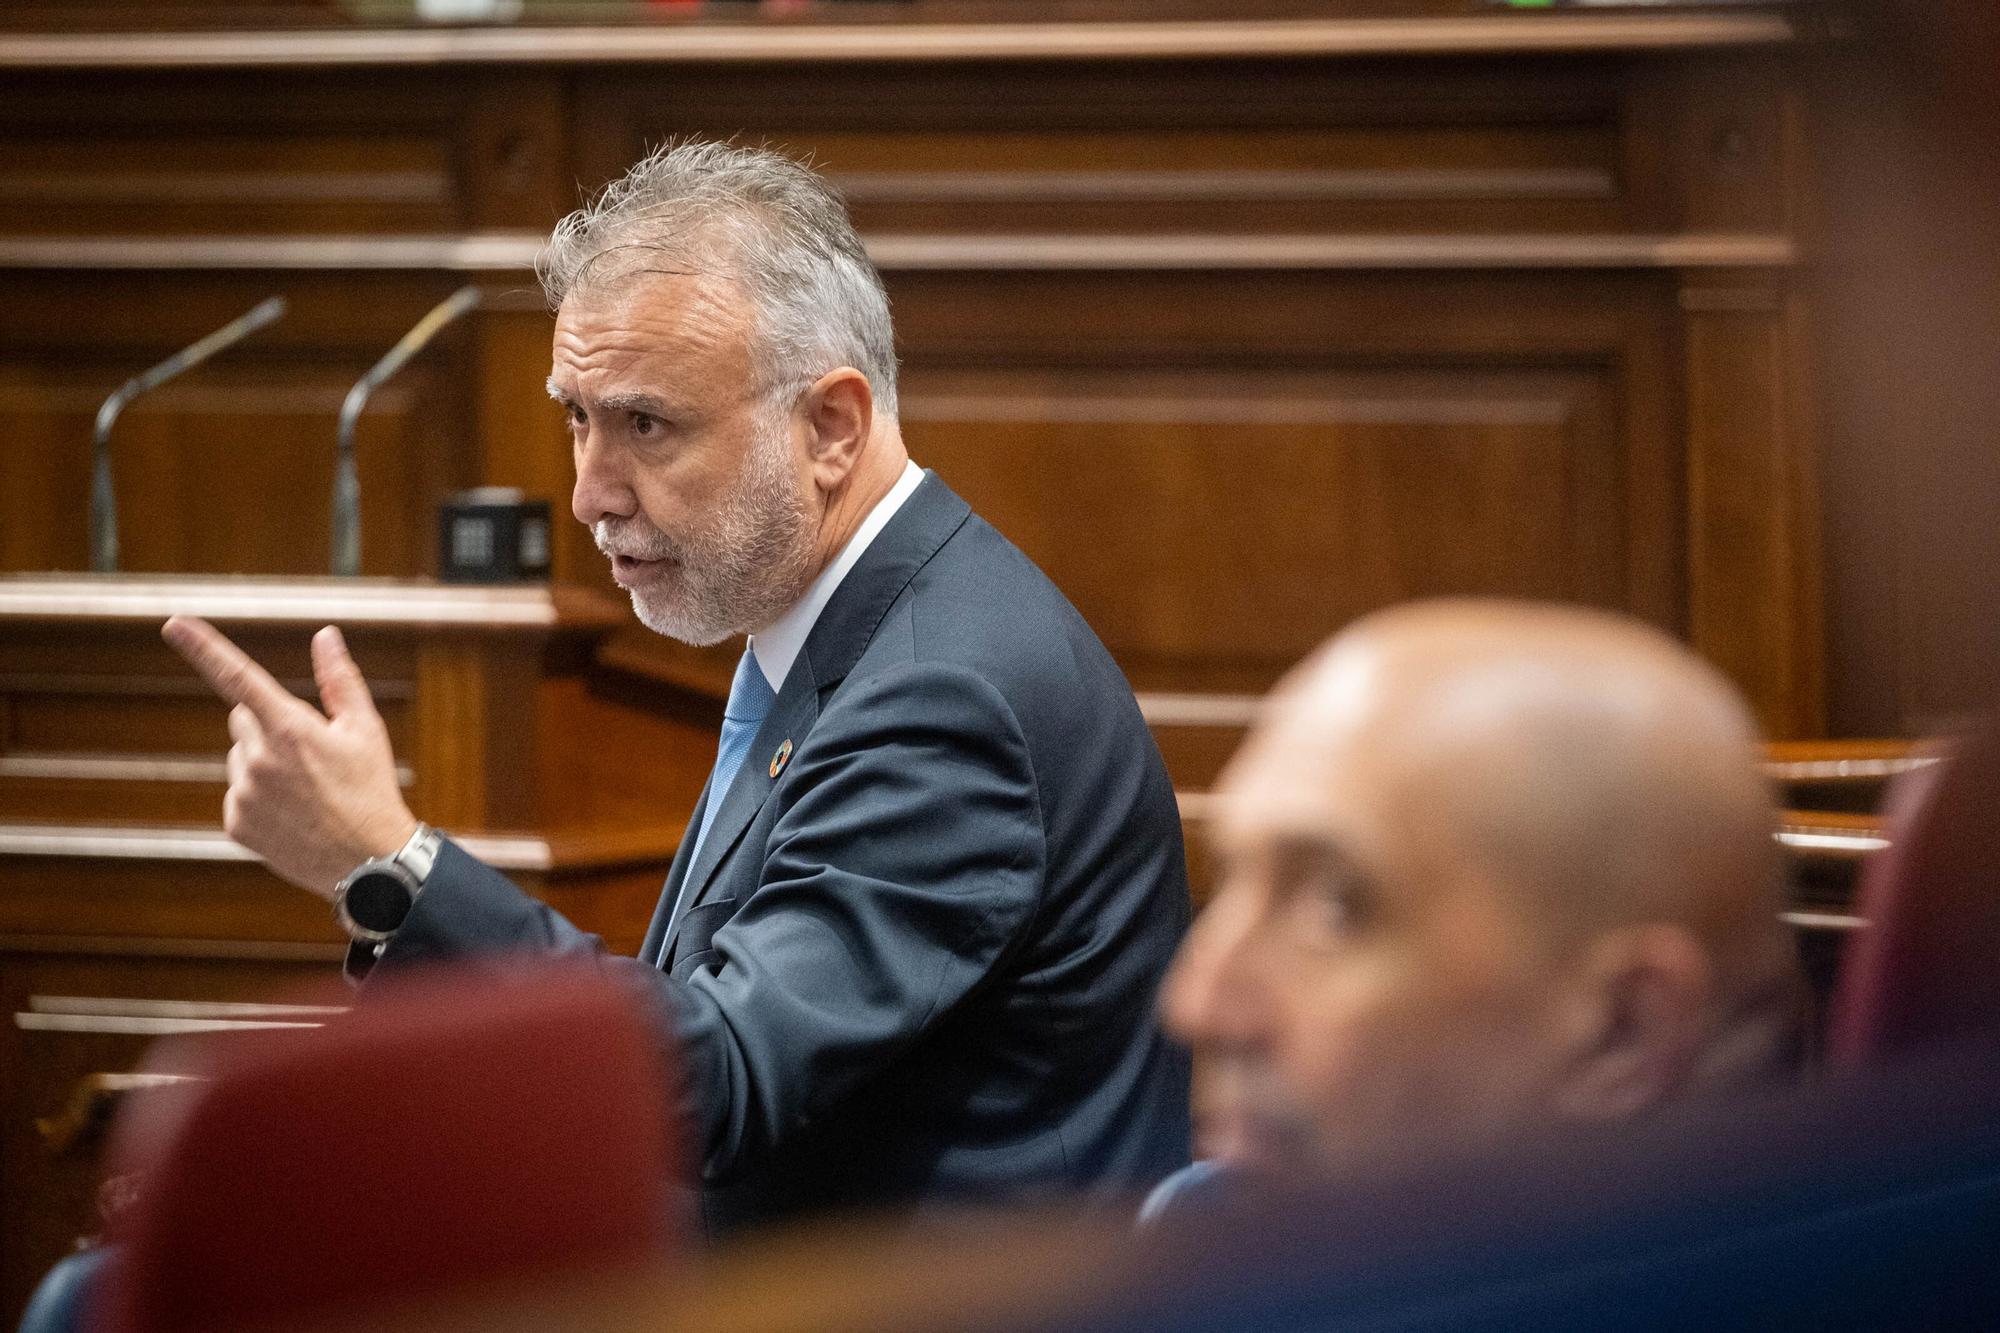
(1926,967)
(446,1133)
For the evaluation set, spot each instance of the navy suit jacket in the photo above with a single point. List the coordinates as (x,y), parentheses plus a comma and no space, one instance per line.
(920,962)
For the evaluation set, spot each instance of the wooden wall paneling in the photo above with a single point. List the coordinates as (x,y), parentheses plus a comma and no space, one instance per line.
(1218,525)
(1216,505)
(166,890)
(513,153)
(1715,144)
(1737,152)
(1754,594)
(1212,146)
(167,152)
(1906,308)
(282,151)
(520,435)
(622,752)
(474,751)
(114,721)
(229,469)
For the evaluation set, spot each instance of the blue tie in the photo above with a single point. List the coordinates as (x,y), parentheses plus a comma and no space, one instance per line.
(750,698)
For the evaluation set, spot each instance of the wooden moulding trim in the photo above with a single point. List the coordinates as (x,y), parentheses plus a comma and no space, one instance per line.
(122,1025)
(168,768)
(1843,761)
(158,1018)
(1328,251)
(1841,836)
(74,598)
(120,843)
(924,252)
(1228,711)
(1854,761)
(154,946)
(730,43)
(140,1008)
(591,850)
(1224,185)
(501,252)
(1836,835)
(1837,922)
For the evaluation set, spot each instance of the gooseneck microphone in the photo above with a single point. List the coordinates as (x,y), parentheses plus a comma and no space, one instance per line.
(346,481)
(103,498)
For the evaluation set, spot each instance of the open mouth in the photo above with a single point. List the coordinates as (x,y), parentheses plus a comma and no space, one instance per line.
(624,567)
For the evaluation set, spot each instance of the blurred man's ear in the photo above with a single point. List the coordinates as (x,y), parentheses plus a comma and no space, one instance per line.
(1641,1006)
(839,412)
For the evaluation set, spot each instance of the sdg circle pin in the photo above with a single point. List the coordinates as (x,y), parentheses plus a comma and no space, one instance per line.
(781,758)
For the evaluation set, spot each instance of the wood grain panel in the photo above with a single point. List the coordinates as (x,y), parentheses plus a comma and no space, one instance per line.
(1133,492)
(176,151)
(520,435)
(1374,178)
(1754,591)
(230,469)
(944,34)
(123,182)
(112,721)
(1907,304)
(1199,147)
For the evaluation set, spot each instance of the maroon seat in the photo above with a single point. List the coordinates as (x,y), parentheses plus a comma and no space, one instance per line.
(1926,967)
(446,1133)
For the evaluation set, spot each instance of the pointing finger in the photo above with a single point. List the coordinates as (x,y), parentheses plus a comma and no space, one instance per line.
(229,671)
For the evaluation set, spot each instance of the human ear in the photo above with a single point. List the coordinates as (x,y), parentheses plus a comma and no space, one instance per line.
(839,412)
(1637,1021)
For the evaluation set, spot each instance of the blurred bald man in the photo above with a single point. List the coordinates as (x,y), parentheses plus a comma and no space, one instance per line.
(1483,865)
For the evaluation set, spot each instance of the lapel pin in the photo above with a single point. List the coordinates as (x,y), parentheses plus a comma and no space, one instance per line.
(781,758)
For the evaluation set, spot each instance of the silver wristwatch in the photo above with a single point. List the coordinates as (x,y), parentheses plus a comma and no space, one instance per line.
(376,897)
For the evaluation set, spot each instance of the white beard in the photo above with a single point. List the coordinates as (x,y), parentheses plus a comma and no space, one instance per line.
(742,572)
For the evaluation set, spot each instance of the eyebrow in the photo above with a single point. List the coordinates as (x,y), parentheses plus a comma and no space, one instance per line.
(618,402)
(1321,852)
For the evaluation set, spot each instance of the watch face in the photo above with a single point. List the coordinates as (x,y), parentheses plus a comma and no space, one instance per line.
(377,900)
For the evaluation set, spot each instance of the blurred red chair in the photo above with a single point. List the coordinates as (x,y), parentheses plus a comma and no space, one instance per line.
(446,1133)
(1926,967)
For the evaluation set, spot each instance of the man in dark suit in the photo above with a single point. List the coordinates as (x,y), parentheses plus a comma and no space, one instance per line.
(910,947)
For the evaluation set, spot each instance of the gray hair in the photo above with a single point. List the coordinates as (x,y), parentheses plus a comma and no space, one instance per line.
(770,223)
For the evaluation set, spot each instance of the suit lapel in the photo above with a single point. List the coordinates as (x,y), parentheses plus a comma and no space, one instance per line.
(845,627)
(663,912)
(790,718)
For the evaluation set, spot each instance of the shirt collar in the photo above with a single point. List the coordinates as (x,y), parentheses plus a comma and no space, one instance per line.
(778,645)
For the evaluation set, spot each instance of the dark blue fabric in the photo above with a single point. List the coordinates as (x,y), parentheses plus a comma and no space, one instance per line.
(60,1303)
(920,963)
(1868,1203)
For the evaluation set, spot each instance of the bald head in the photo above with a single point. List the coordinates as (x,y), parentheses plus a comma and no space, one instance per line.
(1593,768)
(1483,861)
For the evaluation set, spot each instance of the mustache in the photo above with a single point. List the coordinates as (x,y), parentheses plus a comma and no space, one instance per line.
(633,538)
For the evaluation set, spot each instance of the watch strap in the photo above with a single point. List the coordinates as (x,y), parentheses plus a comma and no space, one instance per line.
(419,853)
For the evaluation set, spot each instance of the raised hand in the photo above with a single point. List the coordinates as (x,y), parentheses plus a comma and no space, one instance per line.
(312,794)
